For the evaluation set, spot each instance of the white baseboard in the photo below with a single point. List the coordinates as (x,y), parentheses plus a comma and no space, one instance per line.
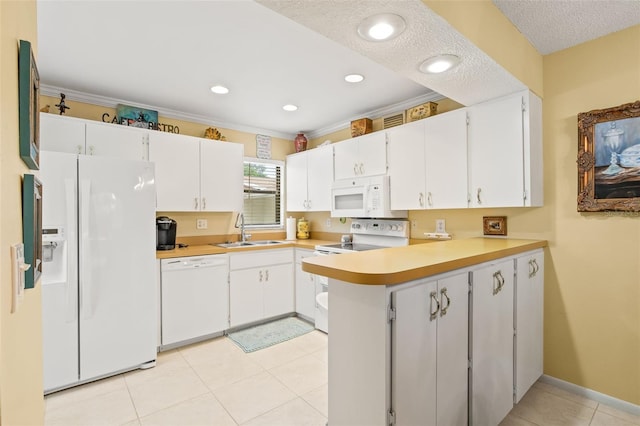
(593,395)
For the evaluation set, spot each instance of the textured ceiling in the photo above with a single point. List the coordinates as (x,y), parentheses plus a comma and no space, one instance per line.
(555,25)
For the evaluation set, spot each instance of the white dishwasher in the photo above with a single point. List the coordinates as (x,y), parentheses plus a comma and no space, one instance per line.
(194,298)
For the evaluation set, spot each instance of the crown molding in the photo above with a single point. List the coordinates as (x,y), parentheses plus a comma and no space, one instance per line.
(109,102)
(105,101)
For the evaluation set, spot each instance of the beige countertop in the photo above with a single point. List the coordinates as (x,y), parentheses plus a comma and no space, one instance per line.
(204,249)
(401,264)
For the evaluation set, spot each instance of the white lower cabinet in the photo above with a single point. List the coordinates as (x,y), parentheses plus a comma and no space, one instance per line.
(491,348)
(438,350)
(529,321)
(305,287)
(261,285)
(429,364)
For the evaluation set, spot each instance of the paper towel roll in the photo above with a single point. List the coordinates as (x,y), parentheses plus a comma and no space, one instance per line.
(291,228)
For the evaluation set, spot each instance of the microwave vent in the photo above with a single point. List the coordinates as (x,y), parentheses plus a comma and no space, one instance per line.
(393,120)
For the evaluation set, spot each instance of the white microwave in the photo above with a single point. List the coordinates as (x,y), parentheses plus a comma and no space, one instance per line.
(365,197)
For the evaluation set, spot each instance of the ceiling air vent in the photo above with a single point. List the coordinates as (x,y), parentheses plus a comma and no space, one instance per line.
(393,120)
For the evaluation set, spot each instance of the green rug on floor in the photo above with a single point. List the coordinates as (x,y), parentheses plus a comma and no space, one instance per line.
(265,335)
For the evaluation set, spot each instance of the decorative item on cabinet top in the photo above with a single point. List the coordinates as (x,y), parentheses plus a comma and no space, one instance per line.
(609,159)
(361,126)
(137,117)
(213,133)
(422,111)
(300,142)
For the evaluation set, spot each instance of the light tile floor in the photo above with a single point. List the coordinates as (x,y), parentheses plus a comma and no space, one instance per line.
(216,383)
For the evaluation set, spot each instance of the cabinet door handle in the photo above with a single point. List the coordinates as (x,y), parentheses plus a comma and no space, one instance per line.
(361,168)
(204,203)
(443,309)
(478,196)
(421,199)
(79,149)
(434,299)
(498,282)
(196,203)
(90,149)
(355,168)
(260,276)
(535,263)
(429,199)
(532,268)
(266,275)
(308,204)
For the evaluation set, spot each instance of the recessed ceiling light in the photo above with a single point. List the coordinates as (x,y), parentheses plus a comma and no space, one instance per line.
(438,64)
(220,90)
(289,107)
(354,78)
(381,27)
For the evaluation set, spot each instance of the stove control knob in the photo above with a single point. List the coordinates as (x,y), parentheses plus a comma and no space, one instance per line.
(394,227)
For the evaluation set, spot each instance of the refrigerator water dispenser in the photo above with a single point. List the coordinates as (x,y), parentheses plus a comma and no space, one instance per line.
(54,255)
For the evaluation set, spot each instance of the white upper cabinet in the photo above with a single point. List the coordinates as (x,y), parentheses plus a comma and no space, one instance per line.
(407,166)
(110,140)
(195,174)
(428,163)
(177,171)
(309,179)
(297,199)
(505,152)
(78,136)
(221,175)
(446,160)
(364,155)
(61,134)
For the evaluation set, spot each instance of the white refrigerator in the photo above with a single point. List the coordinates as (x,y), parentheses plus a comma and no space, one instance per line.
(99,269)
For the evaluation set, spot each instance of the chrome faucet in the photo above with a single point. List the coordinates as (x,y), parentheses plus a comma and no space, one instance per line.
(243,235)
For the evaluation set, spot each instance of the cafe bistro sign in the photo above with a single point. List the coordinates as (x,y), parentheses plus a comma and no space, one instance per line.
(138,117)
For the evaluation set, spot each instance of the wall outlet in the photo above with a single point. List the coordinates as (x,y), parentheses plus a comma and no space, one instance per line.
(328,222)
(440,226)
(414,224)
(201,224)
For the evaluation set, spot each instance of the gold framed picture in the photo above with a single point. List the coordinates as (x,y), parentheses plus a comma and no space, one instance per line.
(609,159)
(494,225)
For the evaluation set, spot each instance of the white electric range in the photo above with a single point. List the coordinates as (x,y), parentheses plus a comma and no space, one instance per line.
(371,234)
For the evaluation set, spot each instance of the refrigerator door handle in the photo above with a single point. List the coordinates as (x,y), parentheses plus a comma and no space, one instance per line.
(83,283)
(72,270)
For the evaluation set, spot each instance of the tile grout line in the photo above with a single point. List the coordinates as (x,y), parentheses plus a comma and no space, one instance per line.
(209,390)
(593,415)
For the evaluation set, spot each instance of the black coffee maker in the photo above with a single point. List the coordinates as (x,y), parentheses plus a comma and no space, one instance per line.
(165,233)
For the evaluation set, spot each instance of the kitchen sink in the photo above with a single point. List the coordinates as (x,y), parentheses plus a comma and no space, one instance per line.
(265,242)
(249,243)
(236,244)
